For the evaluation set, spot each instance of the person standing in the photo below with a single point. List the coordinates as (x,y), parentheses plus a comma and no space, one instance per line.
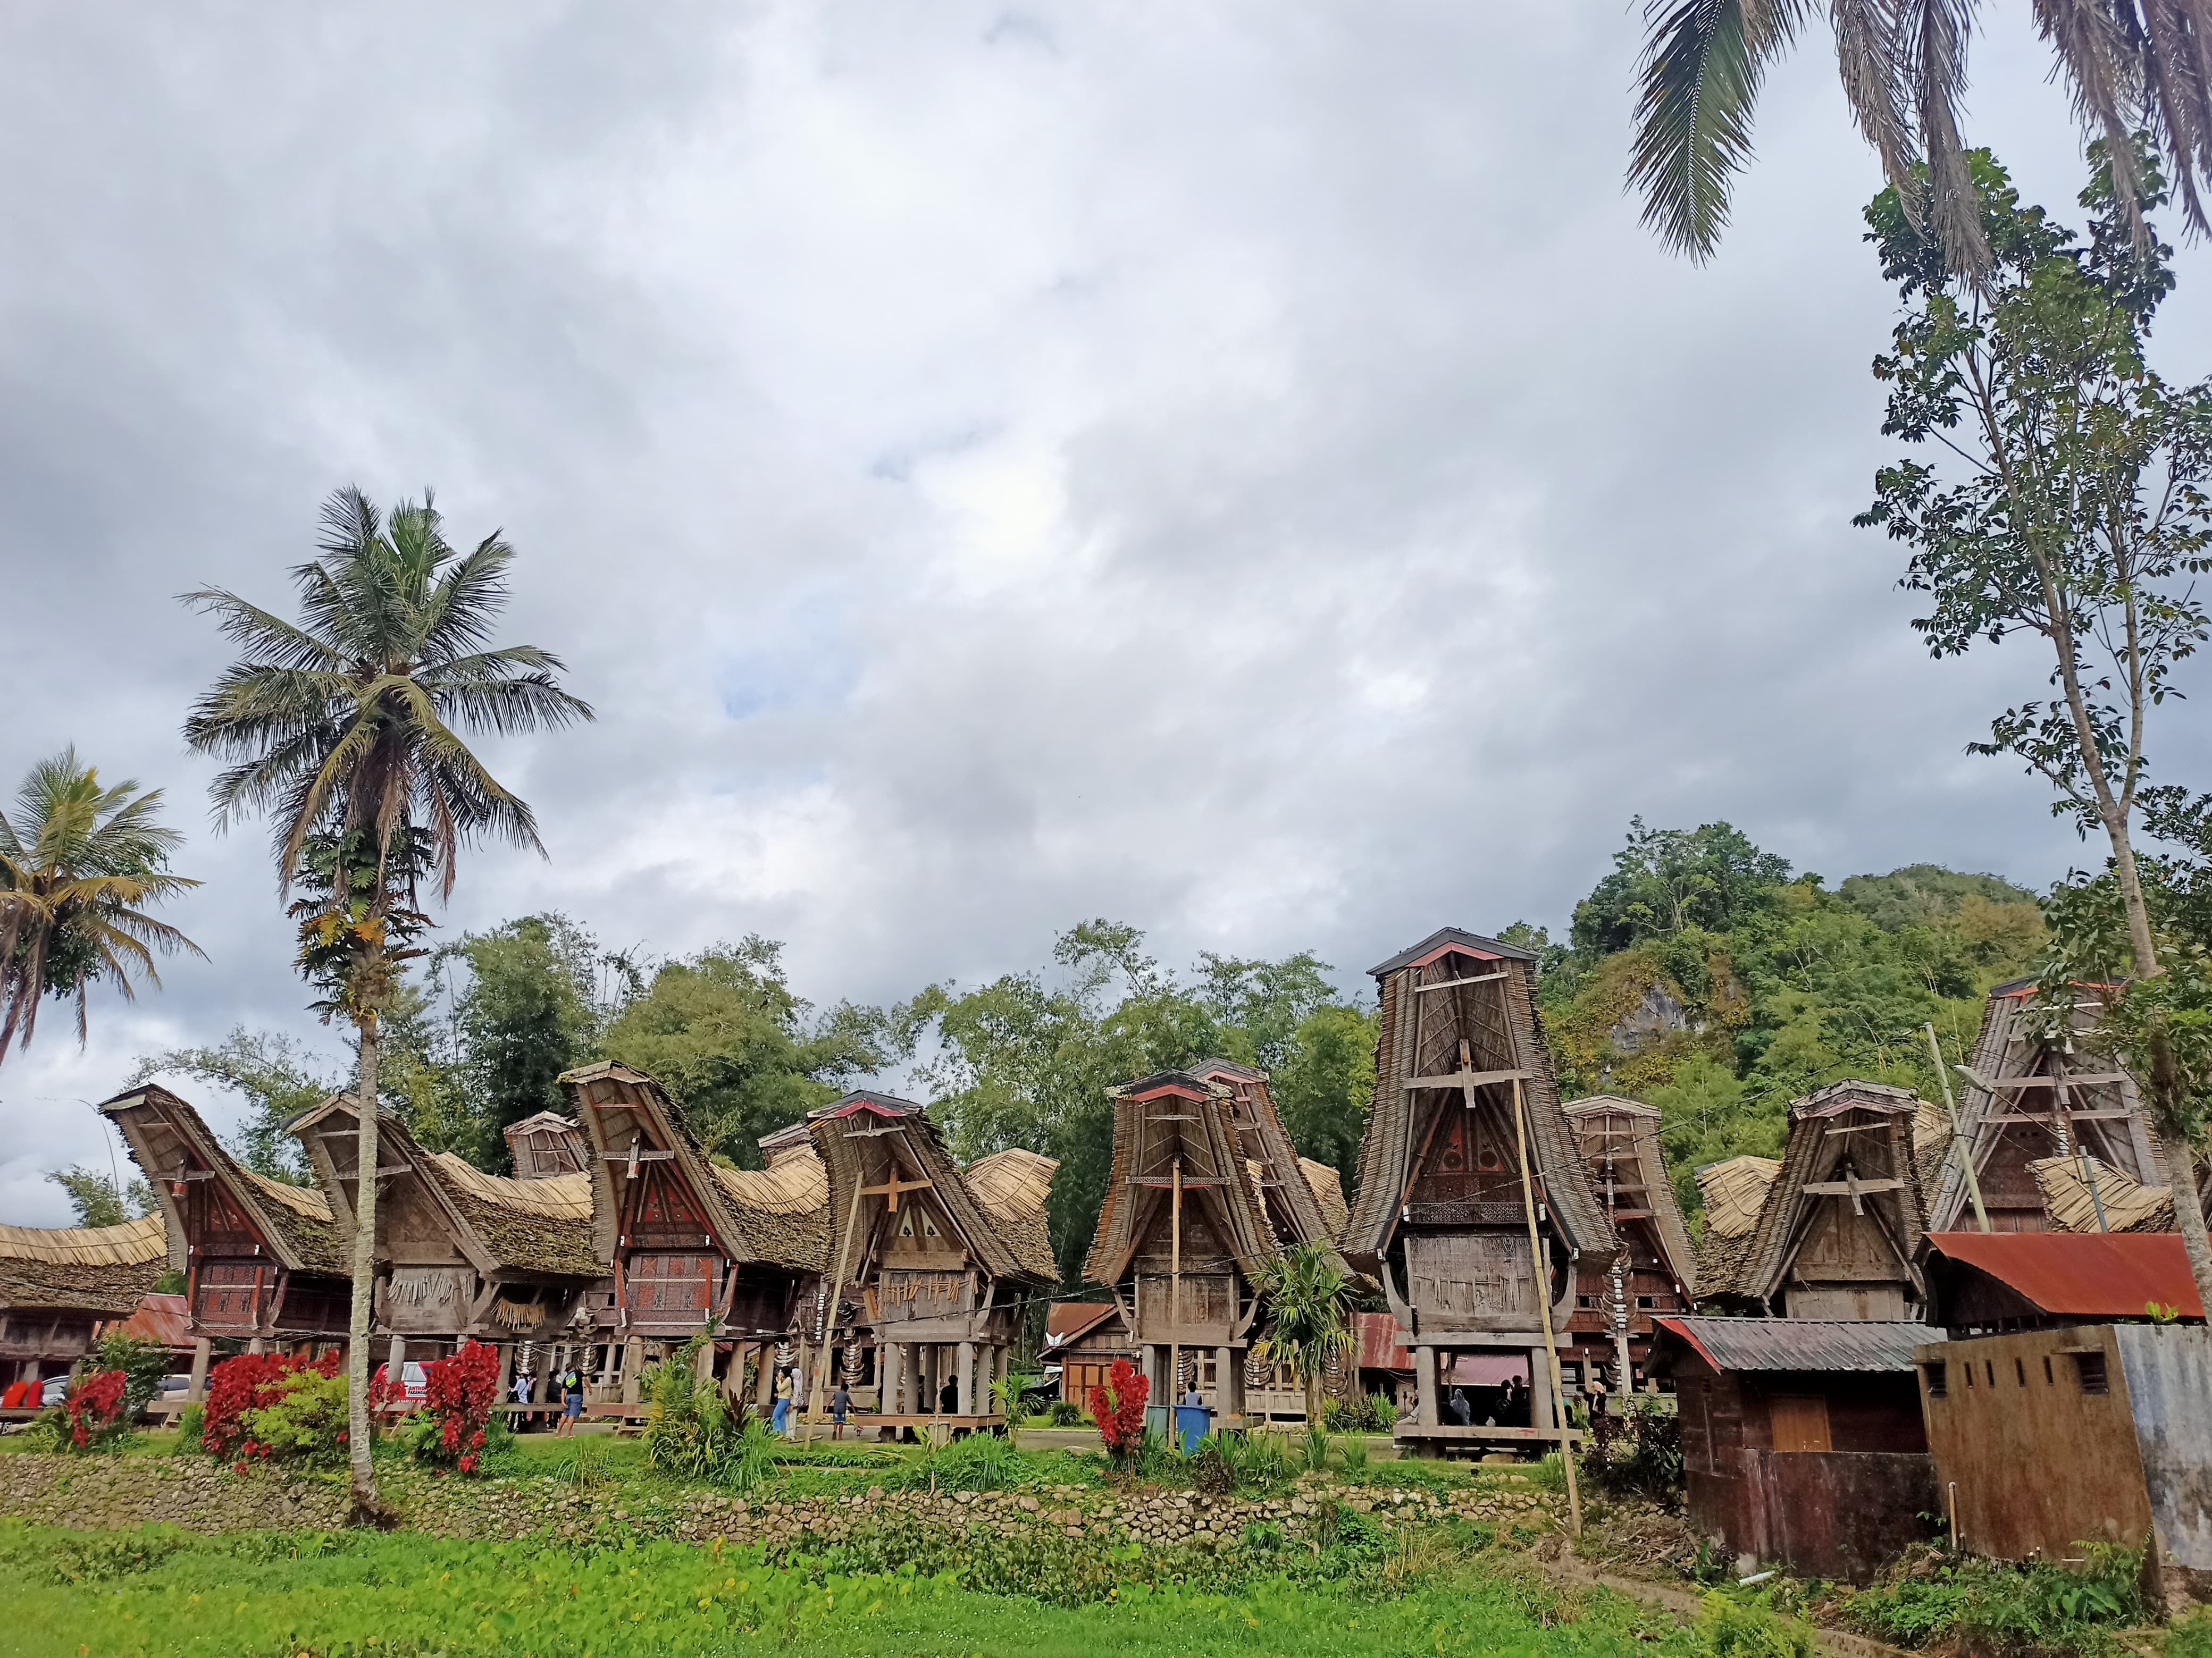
(786,1391)
(840,1401)
(572,1402)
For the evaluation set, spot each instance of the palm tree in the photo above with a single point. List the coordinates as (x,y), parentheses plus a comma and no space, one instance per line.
(340,729)
(1309,1301)
(79,864)
(2129,64)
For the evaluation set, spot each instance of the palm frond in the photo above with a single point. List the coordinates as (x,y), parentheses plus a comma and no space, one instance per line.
(1871,58)
(1698,82)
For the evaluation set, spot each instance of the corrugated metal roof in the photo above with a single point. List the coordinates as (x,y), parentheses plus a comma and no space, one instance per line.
(1379,1349)
(1444,937)
(1066,1321)
(164,1320)
(2085,1275)
(1802,1344)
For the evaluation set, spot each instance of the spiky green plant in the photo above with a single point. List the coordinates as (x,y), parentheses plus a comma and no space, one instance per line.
(1310,1306)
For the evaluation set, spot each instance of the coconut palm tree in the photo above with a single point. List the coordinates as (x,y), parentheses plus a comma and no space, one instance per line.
(2129,64)
(79,865)
(1308,1299)
(341,728)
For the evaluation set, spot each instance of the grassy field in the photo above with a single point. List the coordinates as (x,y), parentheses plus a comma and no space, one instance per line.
(156,1593)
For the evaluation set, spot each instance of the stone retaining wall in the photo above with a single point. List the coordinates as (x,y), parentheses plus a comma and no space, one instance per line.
(199,1495)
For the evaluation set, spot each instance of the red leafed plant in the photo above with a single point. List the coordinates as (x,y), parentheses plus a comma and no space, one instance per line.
(251,1382)
(1119,1409)
(96,1409)
(457,1396)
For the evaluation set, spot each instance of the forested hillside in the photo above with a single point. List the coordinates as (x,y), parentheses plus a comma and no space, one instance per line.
(1708,978)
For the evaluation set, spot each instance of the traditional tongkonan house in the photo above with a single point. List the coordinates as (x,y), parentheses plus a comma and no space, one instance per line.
(1838,1231)
(59,1286)
(693,1246)
(2029,1100)
(1303,1199)
(1187,1224)
(1465,1102)
(461,1256)
(1654,1271)
(930,1267)
(265,1263)
(545,1146)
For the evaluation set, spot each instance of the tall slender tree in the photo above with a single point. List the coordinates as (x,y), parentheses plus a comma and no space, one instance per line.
(2130,65)
(79,866)
(1309,1307)
(342,729)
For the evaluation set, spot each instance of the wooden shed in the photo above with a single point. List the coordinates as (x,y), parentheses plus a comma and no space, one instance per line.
(1085,1339)
(2026,1100)
(265,1261)
(1463,1082)
(2046,1438)
(1837,1234)
(460,1256)
(59,1286)
(1654,1271)
(1802,1438)
(692,1245)
(930,1266)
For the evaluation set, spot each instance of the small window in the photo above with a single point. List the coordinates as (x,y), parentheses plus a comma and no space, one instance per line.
(1990,1371)
(2020,1371)
(2089,1371)
(1647,1301)
(1585,1301)
(1970,1373)
(1938,1381)
(2049,1378)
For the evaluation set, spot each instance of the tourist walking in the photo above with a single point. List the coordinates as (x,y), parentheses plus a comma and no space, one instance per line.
(572,1402)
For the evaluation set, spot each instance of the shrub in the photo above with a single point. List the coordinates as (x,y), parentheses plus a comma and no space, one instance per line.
(1119,1410)
(1066,1413)
(143,1363)
(1315,1447)
(303,1422)
(251,1382)
(1727,1628)
(1637,1453)
(454,1426)
(981,1462)
(191,1423)
(103,1557)
(95,1412)
(1355,1455)
(690,1431)
(1993,1607)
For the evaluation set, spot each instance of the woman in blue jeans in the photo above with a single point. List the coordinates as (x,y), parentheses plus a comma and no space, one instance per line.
(784,1391)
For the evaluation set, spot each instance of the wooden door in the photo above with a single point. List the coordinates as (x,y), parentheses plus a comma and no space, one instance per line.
(1801,1424)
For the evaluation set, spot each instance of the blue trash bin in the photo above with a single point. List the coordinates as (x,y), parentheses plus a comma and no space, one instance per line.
(1193,1422)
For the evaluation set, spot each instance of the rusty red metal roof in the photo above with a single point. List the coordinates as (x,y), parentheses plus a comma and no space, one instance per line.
(2081,1274)
(163,1319)
(1379,1349)
(1066,1321)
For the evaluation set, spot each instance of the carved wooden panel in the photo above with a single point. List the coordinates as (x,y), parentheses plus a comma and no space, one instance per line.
(217,1226)
(1207,1307)
(903,1294)
(1462,1274)
(663,1211)
(428,1299)
(229,1293)
(1847,1301)
(665,1286)
(1842,1247)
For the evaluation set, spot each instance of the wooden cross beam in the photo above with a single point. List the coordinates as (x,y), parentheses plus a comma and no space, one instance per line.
(1454,984)
(891,1188)
(1468,1078)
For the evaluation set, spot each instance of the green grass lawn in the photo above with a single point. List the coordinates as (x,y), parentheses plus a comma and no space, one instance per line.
(156,1593)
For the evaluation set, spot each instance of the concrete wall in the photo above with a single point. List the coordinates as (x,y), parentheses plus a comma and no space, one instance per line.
(2168,1373)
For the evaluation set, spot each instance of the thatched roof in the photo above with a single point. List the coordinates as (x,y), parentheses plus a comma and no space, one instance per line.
(620,1105)
(2128,1206)
(1627,1132)
(2010,1048)
(1734,1191)
(1178,1119)
(1419,1025)
(901,1129)
(1299,1210)
(1880,1149)
(795,1187)
(103,1270)
(535,1226)
(1328,1188)
(166,1135)
(1013,1186)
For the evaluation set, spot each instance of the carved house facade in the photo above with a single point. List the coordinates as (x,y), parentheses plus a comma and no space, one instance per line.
(1653,1273)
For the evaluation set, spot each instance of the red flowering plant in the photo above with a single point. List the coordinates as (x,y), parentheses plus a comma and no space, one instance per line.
(454,1428)
(237,1426)
(95,1412)
(1118,1408)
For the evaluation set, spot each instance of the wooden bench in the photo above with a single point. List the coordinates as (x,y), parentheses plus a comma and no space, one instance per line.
(1453,1432)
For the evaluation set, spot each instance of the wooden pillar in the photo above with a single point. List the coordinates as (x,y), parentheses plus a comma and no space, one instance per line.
(203,1351)
(506,1372)
(964,1378)
(1540,1388)
(633,1367)
(702,1361)
(764,1383)
(395,1363)
(257,1346)
(1228,1389)
(1424,1384)
(889,1378)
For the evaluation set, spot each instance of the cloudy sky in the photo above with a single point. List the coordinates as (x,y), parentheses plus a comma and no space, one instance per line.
(1236,469)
